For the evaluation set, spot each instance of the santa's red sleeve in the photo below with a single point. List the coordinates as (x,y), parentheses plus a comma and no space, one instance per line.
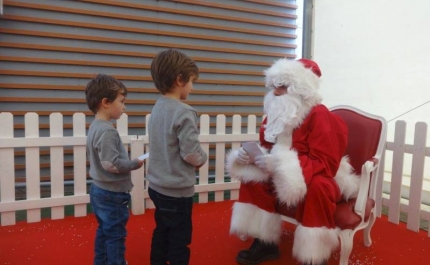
(327,141)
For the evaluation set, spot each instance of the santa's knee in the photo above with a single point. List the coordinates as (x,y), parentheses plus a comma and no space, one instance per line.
(322,188)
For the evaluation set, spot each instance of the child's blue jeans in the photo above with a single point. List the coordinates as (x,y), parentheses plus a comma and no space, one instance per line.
(173,230)
(111,211)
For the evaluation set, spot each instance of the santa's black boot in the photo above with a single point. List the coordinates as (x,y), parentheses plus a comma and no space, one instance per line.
(257,253)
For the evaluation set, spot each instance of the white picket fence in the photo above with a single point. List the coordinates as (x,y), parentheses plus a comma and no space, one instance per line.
(404,191)
(138,144)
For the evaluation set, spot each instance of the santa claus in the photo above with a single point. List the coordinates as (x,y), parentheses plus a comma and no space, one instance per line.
(303,144)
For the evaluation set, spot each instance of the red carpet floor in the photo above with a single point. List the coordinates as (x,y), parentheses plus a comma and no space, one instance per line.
(70,241)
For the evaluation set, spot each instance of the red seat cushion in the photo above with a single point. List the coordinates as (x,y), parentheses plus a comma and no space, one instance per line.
(344,216)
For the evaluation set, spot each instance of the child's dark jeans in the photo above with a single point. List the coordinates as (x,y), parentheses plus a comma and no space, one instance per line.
(173,230)
(110,209)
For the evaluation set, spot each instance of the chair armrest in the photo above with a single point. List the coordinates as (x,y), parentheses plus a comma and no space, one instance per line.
(375,161)
(363,193)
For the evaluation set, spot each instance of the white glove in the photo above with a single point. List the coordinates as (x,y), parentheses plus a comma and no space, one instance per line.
(266,163)
(243,157)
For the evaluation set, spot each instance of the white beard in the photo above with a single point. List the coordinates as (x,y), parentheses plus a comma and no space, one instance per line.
(281,114)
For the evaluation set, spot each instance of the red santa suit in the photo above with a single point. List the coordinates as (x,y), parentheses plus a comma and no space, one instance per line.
(306,158)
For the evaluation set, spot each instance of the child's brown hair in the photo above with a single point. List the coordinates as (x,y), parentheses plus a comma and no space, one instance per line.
(168,65)
(100,87)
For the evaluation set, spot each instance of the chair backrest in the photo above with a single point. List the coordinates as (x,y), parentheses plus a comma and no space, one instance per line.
(366,135)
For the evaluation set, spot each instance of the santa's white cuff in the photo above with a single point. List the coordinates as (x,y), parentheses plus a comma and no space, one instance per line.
(314,245)
(244,172)
(288,178)
(249,220)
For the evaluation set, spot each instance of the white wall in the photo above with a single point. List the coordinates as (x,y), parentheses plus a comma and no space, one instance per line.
(375,55)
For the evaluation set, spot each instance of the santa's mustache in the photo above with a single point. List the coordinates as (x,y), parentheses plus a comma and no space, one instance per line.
(281,112)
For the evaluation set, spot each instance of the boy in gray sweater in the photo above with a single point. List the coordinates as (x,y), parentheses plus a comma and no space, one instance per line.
(109,168)
(175,154)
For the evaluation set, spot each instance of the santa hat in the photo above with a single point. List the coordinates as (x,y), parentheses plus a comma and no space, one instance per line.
(301,77)
(311,65)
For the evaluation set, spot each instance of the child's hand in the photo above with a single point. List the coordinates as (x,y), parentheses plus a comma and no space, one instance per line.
(140,163)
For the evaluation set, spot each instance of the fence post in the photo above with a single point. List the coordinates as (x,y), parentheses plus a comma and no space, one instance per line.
(252,124)
(204,170)
(236,129)
(57,164)
(397,172)
(7,168)
(220,157)
(79,163)
(122,125)
(32,165)
(417,176)
(148,202)
(137,177)
(379,185)
(146,140)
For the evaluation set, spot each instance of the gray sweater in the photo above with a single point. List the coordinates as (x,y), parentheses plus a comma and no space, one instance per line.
(109,163)
(174,148)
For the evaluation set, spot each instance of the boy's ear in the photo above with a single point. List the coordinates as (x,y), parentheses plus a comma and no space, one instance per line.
(178,81)
(104,103)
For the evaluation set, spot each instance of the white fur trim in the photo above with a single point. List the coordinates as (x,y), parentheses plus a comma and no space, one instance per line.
(249,220)
(288,178)
(348,182)
(285,138)
(314,245)
(244,172)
